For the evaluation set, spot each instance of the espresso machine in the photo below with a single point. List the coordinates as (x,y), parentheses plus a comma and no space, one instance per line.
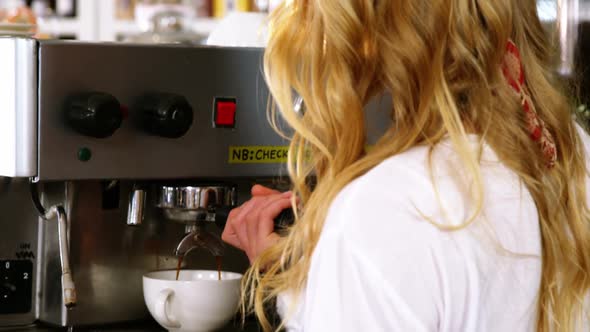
(116,160)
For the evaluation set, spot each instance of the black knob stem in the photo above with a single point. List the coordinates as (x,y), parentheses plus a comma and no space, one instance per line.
(221,215)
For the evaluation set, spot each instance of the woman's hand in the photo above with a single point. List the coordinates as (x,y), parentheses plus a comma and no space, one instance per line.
(250,227)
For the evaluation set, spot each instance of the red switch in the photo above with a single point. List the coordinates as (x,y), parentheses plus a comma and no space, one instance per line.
(225,113)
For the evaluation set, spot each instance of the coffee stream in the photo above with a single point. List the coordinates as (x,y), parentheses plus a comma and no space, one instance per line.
(218,261)
(178,266)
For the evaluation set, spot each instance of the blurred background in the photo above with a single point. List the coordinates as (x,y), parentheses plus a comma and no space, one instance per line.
(122,20)
(116,20)
(194,22)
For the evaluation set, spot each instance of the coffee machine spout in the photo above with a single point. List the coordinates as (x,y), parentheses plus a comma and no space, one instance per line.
(136,208)
(198,238)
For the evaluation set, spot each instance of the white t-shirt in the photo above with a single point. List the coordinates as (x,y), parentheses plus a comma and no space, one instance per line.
(380,265)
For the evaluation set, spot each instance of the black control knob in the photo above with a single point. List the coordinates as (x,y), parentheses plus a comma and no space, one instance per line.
(166,115)
(16,286)
(94,114)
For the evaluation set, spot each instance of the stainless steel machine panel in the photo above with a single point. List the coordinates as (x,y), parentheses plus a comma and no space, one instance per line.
(129,72)
(109,258)
(18,107)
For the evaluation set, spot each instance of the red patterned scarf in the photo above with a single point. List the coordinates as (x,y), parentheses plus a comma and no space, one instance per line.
(514,74)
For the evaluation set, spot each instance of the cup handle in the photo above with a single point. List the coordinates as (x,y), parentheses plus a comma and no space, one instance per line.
(160,310)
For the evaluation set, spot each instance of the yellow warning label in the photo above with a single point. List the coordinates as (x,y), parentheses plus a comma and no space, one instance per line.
(258,154)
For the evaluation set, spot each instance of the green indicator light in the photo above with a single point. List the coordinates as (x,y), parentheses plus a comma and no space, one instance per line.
(84,154)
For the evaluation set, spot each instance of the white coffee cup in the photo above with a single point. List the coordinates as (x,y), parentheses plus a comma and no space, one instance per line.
(196,302)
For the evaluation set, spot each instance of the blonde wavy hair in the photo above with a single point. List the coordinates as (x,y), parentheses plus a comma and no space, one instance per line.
(440,60)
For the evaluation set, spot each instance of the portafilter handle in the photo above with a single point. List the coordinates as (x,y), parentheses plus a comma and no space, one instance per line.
(285,219)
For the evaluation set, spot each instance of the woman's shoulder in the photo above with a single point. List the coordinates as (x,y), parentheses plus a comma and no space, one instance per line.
(386,197)
(407,189)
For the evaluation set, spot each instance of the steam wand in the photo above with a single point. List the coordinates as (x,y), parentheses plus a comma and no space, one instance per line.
(68,287)
(67,282)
